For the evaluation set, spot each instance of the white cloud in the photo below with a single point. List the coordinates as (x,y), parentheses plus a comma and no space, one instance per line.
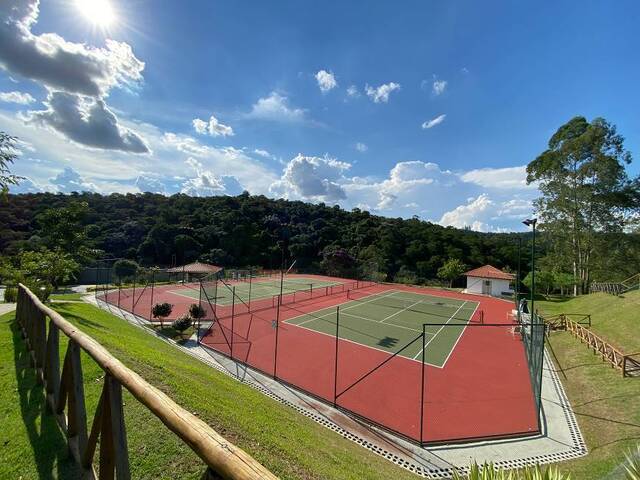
(206,184)
(467,215)
(16,97)
(353,91)
(263,153)
(361,147)
(509,177)
(86,121)
(326,80)
(381,94)
(58,64)
(69,181)
(438,87)
(434,121)
(213,127)
(312,178)
(150,182)
(276,107)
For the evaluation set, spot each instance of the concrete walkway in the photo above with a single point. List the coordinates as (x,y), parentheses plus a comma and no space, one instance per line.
(561,438)
(7,307)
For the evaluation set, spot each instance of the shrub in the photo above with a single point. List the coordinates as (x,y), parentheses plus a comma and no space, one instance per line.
(182,323)
(125,269)
(488,472)
(11,295)
(161,310)
(196,311)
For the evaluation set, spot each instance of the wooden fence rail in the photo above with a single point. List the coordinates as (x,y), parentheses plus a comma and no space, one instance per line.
(579,326)
(41,327)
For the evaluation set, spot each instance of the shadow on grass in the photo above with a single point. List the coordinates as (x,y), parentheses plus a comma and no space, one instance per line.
(76,319)
(49,444)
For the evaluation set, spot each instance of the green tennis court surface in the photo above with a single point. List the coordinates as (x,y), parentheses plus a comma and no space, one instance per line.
(258,288)
(390,320)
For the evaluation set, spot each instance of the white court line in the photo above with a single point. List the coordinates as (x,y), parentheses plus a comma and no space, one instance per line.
(341,310)
(400,311)
(460,335)
(388,324)
(439,330)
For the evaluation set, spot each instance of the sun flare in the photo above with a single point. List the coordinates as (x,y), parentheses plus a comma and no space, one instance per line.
(98,12)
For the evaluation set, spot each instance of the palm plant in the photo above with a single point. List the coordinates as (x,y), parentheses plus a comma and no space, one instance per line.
(632,467)
(488,472)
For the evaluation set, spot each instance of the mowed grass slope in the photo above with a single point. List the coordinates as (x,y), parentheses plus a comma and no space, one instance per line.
(288,443)
(607,406)
(616,319)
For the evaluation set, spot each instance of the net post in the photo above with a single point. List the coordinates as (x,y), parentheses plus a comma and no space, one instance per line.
(311,290)
(233,309)
(424,334)
(202,310)
(335,372)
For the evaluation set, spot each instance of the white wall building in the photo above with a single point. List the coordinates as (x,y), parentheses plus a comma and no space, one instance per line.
(489,280)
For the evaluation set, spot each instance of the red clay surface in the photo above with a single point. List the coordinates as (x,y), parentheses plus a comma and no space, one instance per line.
(483,390)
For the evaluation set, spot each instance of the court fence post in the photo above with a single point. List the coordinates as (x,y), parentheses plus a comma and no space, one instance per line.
(275,351)
(249,304)
(233,312)
(153,283)
(133,297)
(335,373)
(119,292)
(424,334)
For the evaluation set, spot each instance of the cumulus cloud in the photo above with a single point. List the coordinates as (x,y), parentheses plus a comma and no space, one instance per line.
(312,178)
(434,121)
(263,153)
(16,97)
(206,184)
(87,121)
(69,181)
(467,215)
(152,183)
(213,127)
(353,91)
(26,185)
(381,94)
(326,81)
(507,178)
(276,107)
(361,147)
(58,64)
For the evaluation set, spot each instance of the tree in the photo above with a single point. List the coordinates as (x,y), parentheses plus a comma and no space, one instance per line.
(63,229)
(125,269)
(451,269)
(8,154)
(161,311)
(53,267)
(545,281)
(585,192)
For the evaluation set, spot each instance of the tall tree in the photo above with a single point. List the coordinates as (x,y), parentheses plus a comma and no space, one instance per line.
(585,191)
(8,154)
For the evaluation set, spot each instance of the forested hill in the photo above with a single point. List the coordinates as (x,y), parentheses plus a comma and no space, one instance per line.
(249,230)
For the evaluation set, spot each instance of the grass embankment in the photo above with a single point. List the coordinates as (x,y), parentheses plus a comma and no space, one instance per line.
(292,446)
(606,405)
(67,296)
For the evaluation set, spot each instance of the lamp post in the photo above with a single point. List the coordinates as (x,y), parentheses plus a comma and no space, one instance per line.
(531,222)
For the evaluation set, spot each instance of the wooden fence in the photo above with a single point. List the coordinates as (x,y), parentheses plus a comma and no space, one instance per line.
(579,326)
(617,288)
(41,328)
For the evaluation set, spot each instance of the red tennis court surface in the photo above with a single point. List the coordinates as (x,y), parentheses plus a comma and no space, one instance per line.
(483,391)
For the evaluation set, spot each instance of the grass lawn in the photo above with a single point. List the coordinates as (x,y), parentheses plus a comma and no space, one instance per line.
(616,319)
(606,405)
(67,296)
(286,442)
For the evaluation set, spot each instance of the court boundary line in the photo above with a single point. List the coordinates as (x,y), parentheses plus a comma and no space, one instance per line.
(377,295)
(424,347)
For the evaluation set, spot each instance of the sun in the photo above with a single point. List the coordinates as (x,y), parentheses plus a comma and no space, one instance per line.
(99,12)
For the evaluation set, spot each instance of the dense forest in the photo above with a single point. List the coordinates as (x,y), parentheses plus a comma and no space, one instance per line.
(247,230)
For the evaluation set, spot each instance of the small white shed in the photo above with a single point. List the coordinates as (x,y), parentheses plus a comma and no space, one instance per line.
(489,280)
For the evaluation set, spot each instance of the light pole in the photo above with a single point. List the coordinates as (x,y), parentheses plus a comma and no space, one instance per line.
(531,222)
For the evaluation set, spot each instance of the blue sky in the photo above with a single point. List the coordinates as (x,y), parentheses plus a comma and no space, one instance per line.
(427,108)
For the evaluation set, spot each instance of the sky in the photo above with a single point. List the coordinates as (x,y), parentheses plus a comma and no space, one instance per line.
(416,108)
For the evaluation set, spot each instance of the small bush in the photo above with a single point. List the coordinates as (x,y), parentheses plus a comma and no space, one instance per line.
(162,310)
(196,311)
(182,323)
(11,295)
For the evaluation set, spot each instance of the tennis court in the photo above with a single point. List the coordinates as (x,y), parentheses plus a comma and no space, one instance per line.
(254,289)
(393,319)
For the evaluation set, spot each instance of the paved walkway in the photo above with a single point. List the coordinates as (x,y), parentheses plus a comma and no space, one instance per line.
(6,307)
(560,440)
